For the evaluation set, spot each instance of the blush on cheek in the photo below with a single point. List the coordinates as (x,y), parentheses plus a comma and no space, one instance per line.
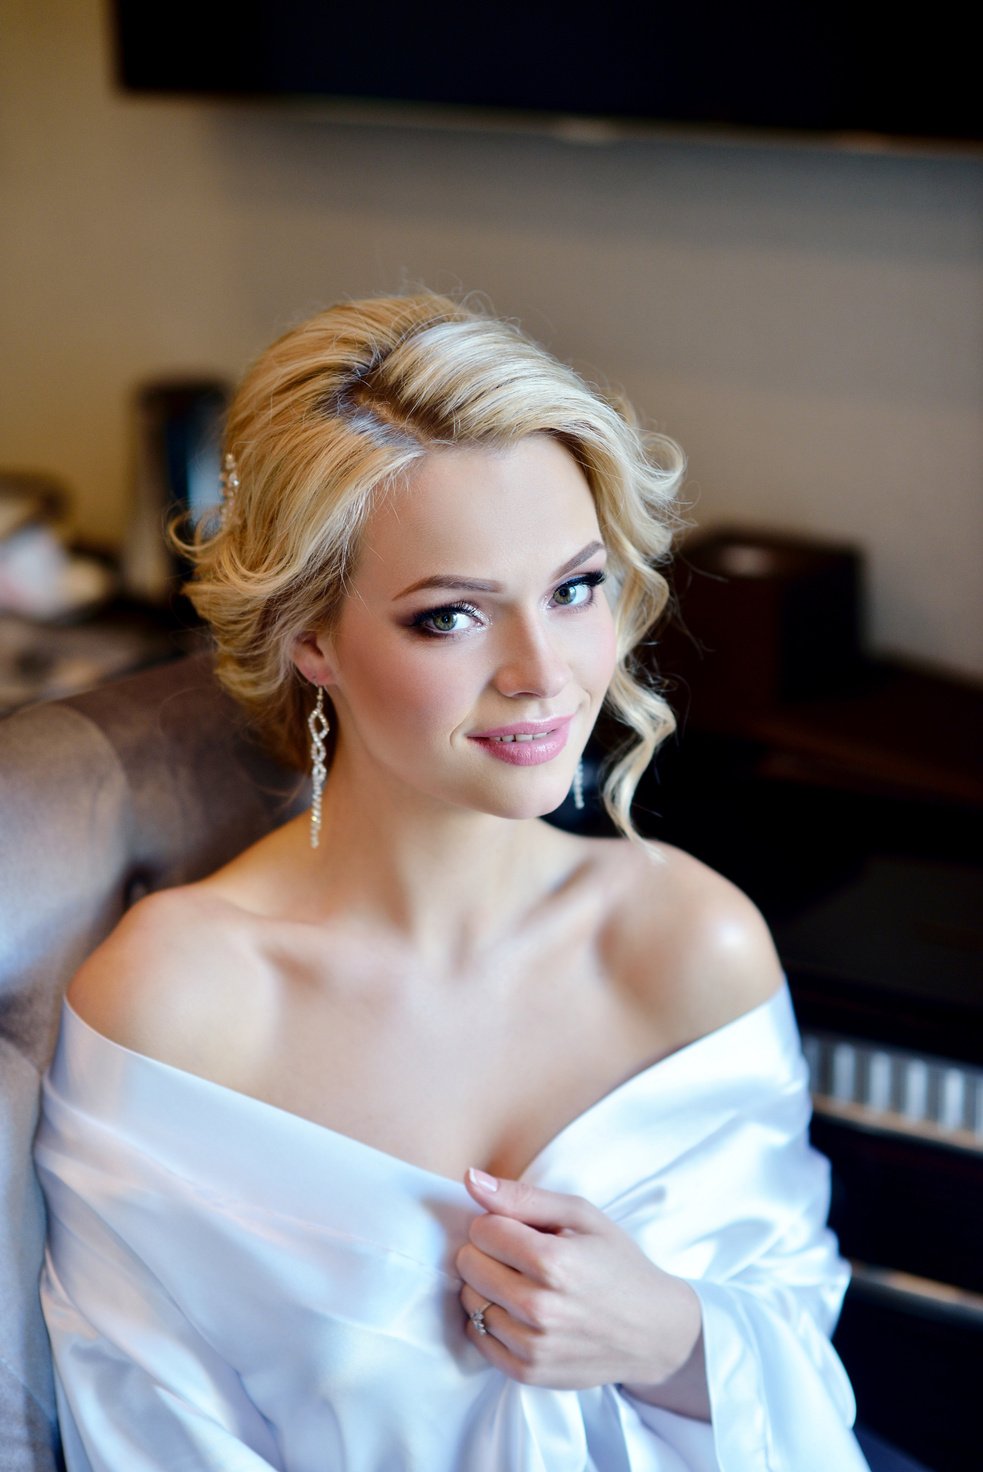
(408,695)
(425,695)
(603,655)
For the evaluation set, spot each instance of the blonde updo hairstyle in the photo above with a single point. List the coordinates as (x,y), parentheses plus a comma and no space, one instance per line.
(332,415)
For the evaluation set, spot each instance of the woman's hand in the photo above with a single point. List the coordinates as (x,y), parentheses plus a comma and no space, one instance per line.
(573,1302)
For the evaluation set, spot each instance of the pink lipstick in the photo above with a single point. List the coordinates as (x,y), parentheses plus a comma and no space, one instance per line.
(526,743)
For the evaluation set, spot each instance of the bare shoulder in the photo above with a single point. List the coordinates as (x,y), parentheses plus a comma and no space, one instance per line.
(168,981)
(689,947)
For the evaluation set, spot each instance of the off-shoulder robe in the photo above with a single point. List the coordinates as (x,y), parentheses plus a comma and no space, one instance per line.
(231,1287)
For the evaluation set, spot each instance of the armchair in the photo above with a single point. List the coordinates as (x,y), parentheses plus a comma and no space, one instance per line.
(147,782)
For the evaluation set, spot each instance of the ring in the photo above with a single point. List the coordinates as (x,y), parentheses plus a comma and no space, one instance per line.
(478,1317)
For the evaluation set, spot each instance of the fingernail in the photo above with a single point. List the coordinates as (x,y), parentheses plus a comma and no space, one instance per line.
(483,1179)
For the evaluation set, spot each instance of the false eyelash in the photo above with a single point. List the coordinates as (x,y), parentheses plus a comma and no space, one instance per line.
(585,579)
(590,580)
(419,620)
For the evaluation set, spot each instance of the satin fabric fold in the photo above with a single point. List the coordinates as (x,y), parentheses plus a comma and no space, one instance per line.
(228,1286)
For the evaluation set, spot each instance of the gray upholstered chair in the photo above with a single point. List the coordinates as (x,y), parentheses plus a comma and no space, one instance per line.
(141,784)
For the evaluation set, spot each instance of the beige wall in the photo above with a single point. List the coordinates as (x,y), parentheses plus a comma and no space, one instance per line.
(807,322)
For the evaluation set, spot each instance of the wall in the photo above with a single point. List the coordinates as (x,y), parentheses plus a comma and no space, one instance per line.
(807,322)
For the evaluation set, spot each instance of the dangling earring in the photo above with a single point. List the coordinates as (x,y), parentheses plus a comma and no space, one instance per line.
(578,786)
(317,724)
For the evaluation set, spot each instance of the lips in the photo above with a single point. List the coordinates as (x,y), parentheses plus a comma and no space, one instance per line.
(542,727)
(526,743)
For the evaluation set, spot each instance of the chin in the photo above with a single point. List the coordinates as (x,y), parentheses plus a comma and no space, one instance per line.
(536,803)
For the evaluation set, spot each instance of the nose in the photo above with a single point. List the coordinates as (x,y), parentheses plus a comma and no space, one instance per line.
(531,663)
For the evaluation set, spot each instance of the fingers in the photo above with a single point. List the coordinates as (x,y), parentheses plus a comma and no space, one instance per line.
(567,1298)
(519,1267)
(489,1279)
(528,1298)
(528,1229)
(474,1306)
(504,1337)
(548,1211)
(517,1246)
(494,1315)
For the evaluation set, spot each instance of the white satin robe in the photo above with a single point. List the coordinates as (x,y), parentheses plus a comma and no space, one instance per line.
(230,1287)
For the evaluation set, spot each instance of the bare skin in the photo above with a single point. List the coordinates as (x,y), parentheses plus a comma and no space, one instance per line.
(449,979)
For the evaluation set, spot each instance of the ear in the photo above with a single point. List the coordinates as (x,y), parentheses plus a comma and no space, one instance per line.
(311,653)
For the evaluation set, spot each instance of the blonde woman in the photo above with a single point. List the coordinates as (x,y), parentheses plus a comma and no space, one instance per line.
(425,1134)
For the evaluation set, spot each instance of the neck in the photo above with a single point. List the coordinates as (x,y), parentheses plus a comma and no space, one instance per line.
(448,879)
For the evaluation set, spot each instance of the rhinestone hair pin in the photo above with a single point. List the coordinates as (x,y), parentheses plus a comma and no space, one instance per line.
(229,484)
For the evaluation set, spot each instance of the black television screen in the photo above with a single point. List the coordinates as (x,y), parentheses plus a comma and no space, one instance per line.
(831,68)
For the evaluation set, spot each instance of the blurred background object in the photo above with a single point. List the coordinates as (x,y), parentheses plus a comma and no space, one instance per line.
(843,790)
(41,577)
(178,427)
(72,615)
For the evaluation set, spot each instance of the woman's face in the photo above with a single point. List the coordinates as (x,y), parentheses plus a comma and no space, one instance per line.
(475,644)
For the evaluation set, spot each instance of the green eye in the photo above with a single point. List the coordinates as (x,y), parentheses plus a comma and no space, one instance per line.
(439,622)
(444,622)
(578,591)
(568,595)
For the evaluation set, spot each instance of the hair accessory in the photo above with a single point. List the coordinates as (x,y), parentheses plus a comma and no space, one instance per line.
(229,483)
(317,724)
(578,786)
(478,1318)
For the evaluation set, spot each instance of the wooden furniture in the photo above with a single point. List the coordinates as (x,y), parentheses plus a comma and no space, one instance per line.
(852,812)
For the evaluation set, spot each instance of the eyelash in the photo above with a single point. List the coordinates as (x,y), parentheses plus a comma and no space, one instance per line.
(419,622)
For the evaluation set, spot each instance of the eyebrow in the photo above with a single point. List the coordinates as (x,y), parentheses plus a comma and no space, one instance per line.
(477,585)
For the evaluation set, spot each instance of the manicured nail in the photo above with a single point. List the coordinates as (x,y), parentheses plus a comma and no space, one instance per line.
(483,1179)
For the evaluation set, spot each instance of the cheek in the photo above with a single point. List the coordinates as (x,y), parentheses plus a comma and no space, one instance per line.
(429,694)
(403,687)
(600,653)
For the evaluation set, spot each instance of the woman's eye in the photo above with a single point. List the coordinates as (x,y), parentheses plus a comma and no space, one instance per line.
(438,622)
(579,591)
(448,622)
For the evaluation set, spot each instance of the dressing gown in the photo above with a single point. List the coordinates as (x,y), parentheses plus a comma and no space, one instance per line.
(231,1288)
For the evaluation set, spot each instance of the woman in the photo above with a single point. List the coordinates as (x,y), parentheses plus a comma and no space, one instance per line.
(423,1134)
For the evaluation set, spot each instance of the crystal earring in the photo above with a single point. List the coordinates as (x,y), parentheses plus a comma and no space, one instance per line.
(317,724)
(578,786)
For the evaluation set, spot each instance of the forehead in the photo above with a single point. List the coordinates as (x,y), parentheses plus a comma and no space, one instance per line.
(481,513)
